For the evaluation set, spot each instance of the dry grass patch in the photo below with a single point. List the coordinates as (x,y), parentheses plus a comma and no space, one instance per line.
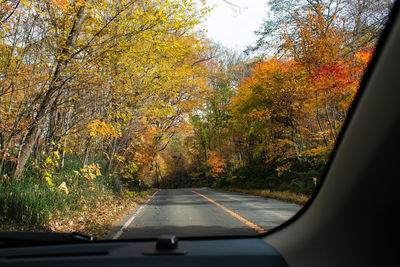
(98,221)
(279,195)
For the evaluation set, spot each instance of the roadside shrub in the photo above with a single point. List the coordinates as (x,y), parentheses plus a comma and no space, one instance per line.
(41,195)
(294,174)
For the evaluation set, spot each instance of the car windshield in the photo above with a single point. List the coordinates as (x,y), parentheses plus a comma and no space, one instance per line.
(128,119)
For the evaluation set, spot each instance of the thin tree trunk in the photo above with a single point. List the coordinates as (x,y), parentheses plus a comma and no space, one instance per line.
(111,153)
(66,137)
(5,149)
(319,123)
(334,120)
(158,172)
(52,123)
(329,119)
(86,153)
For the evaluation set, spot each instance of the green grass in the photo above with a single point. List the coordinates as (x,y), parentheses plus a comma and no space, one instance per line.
(26,203)
(30,202)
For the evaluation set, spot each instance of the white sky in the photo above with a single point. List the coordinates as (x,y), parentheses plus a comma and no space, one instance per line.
(233,27)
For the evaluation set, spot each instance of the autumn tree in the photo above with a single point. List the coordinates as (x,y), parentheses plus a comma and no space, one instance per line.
(280,120)
(361,22)
(93,76)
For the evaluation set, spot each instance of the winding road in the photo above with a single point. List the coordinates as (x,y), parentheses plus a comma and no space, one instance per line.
(202,212)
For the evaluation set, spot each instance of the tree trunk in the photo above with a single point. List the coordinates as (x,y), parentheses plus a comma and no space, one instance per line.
(329,120)
(334,120)
(56,84)
(159,176)
(26,149)
(86,152)
(52,124)
(66,137)
(319,123)
(5,149)
(111,152)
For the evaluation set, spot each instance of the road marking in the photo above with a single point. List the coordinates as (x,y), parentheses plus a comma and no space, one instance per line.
(237,216)
(273,213)
(134,215)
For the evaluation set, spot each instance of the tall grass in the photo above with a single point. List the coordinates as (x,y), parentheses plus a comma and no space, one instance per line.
(32,202)
(27,203)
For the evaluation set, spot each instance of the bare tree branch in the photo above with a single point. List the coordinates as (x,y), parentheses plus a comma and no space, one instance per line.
(229,3)
(202,60)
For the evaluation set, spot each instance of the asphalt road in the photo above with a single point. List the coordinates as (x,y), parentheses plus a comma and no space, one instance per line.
(203,212)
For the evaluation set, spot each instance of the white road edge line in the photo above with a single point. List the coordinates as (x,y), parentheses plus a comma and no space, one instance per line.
(128,222)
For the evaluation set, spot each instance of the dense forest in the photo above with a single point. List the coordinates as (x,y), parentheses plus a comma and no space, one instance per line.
(270,121)
(101,99)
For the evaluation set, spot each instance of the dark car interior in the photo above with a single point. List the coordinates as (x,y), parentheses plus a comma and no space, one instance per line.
(351,219)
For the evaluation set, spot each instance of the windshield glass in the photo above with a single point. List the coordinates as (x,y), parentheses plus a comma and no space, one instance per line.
(135,119)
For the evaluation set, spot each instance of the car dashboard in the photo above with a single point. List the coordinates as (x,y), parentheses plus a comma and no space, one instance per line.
(228,252)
